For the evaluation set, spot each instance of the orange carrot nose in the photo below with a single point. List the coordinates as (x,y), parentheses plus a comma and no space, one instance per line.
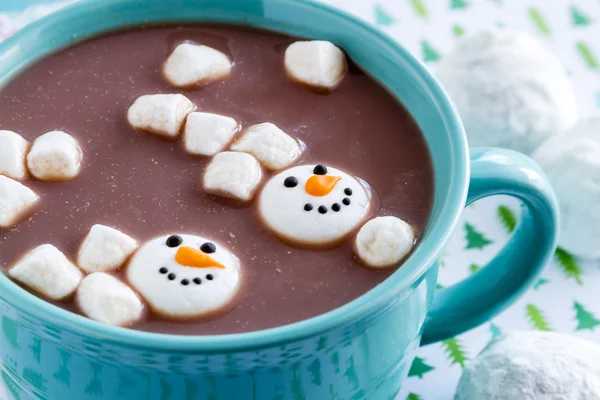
(190,257)
(321,185)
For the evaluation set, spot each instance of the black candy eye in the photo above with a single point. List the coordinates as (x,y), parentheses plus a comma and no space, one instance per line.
(290,182)
(320,169)
(208,247)
(174,240)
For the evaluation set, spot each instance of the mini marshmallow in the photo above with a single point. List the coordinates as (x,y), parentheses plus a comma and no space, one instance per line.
(12,155)
(207,134)
(161,114)
(106,299)
(15,200)
(233,174)
(314,205)
(55,156)
(48,272)
(105,249)
(192,65)
(270,145)
(183,276)
(315,63)
(384,241)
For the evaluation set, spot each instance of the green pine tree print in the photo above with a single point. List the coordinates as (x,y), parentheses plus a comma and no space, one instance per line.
(579,17)
(419,368)
(495,330)
(458,4)
(458,31)
(539,21)
(382,17)
(587,56)
(537,319)
(569,265)
(507,218)
(429,53)
(455,352)
(473,268)
(541,282)
(475,239)
(585,318)
(419,8)
(412,396)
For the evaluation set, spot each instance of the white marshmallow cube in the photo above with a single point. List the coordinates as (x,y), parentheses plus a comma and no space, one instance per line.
(105,249)
(384,241)
(274,148)
(48,272)
(232,174)
(106,299)
(15,200)
(161,114)
(207,134)
(12,155)
(192,65)
(315,63)
(55,156)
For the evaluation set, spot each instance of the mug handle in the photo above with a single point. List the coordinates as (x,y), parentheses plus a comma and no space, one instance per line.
(480,297)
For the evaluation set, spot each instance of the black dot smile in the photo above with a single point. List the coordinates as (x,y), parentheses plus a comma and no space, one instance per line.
(185,281)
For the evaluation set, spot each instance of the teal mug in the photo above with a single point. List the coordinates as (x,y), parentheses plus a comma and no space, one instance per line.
(362,350)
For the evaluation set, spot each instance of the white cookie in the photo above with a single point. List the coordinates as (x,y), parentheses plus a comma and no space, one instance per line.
(12,155)
(314,205)
(192,64)
(105,249)
(48,272)
(384,241)
(274,148)
(315,63)
(15,200)
(161,114)
(106,299)
(232,174)
(184,275)
(55,156)
(207,134)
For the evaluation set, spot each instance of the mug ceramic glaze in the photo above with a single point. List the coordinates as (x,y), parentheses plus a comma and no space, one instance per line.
(362,350)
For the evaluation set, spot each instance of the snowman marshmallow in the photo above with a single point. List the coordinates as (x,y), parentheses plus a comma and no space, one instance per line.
(314,205)
(182,276)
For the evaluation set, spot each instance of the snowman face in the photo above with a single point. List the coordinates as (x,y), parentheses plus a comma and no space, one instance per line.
(184,275)
(313,205)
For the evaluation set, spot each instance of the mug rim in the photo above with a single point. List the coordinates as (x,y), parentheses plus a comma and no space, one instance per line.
(405,278)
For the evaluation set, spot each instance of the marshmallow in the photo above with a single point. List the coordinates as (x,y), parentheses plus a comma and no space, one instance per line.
(384,241)
(232,174)
(270,145)
(314,205)
(48,272)
(533,365)
(509,90)
(55,156)
(106,299)
(15,200)
(184,275)
(12,155)
(192,65)
(105,249)
(572,164)
(315,63)
(161,114)
(207,134)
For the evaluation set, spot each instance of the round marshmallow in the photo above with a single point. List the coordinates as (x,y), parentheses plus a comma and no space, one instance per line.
(384,241)
(183,276)
(314,204)
(232,174)
(55,156)
(194,65)
(16,200)
(572,164)
(106,299)
(509,90)
(533,365)
(104,249)
(207,134)
(12,155)
(161,114)
(315,63)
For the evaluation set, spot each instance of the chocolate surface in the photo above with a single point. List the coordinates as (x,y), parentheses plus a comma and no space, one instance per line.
(148,187)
